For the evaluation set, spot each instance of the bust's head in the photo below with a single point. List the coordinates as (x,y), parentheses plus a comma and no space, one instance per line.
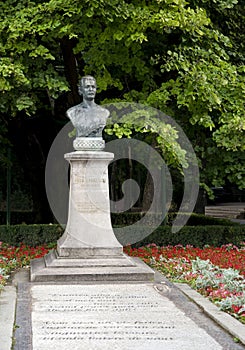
(87,87)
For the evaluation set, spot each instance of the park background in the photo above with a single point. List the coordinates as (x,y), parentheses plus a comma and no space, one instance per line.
(185,58)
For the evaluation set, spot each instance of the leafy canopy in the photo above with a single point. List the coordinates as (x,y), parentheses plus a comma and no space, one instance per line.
(175,55)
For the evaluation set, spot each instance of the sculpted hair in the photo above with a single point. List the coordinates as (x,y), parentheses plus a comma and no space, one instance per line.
(87,77)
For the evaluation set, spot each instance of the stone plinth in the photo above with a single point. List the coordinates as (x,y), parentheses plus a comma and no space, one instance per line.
(89,232)
(53,268)
(88,249)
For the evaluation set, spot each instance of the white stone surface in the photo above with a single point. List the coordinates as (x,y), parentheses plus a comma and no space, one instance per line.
(7,312)
(89,223)
(52,260)
(106,317)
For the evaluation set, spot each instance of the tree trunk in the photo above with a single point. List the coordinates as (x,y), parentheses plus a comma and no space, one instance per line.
(150,191)
(71,69)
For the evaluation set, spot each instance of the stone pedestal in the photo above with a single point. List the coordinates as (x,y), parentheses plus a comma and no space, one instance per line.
(89,232)
(88,249)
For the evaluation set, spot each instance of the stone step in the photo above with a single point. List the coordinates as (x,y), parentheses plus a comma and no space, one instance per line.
(52,268)
(229,212)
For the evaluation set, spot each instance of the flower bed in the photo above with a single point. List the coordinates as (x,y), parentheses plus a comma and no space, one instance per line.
(216,273)
(13,258)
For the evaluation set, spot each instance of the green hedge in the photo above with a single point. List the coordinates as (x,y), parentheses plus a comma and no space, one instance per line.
(197,236)
(202,220)
(126,218)
(32,235)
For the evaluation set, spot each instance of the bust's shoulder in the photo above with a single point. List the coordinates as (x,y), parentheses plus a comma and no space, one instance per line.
(103,110)
(74,108)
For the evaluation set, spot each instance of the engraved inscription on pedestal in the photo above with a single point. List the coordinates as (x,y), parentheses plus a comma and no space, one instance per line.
(89,230)
(90,189)
(106,317)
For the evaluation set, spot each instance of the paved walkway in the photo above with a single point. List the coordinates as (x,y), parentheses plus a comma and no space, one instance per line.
(183,315)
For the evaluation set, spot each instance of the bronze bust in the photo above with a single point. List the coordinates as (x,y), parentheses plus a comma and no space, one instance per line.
(88,118)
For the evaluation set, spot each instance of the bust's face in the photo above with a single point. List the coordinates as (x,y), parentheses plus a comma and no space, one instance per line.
(88,89)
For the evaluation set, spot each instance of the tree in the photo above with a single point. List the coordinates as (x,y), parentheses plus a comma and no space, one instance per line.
(208,91)
(170,54)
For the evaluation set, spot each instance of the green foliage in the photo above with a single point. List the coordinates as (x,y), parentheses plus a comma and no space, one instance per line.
(185,58)
(209,90)
(198,236)
(229,302)
(202,220)
(136,118)
(26,56)
(129,218)
(195,235)
(32,235)
(211,275)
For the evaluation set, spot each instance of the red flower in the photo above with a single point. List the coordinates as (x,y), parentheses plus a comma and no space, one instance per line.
(236,308)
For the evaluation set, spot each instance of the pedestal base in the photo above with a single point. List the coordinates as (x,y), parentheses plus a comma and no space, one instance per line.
(88,250)
(52,268)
